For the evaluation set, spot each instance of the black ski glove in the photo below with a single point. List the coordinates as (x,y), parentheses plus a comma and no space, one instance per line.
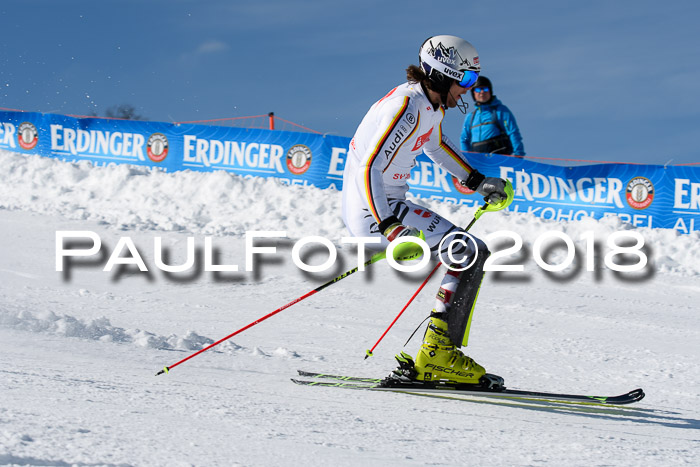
(491,188)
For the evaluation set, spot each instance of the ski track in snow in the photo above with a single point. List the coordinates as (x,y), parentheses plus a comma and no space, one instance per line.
(80,350)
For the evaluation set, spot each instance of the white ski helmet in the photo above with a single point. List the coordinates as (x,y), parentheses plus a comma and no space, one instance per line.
(446,58)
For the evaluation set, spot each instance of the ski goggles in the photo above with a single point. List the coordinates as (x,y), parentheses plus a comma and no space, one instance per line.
(468,79)
(484,89)
(465,79)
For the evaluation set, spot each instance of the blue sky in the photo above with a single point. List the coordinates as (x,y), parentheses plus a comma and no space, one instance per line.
(599,80)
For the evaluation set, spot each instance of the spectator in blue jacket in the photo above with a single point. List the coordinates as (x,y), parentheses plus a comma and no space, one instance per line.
(490,127)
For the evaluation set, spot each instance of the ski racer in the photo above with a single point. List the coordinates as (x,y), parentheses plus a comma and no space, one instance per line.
(395,130)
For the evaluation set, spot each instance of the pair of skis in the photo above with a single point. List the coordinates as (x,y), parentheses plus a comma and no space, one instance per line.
(389,384)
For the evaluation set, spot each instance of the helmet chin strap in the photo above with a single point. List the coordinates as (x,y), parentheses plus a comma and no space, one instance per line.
(460,104)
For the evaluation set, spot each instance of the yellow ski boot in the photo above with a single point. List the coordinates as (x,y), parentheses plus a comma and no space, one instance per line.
(440,360)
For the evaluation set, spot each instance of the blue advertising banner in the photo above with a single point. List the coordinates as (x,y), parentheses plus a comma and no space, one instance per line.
(642,195)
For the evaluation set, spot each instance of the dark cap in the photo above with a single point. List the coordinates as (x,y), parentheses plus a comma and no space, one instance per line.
(482,81)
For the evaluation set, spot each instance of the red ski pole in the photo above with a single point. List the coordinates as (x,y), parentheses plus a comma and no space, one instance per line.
(376,257)
(369,352)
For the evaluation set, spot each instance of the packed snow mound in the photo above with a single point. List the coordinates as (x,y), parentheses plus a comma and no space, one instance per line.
(102,330)
(137,198)
(219,203)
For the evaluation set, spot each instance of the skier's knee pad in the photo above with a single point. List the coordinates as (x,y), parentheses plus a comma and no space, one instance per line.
(464,297)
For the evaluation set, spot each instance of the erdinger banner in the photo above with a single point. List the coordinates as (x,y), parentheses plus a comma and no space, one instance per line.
(297,158)
(642,195)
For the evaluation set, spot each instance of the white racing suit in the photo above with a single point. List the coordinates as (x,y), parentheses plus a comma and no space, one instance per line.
(382,153)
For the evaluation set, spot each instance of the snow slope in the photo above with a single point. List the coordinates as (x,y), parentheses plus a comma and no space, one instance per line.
(80,348)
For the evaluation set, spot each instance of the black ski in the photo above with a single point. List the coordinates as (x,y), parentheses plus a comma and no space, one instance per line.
(391,384)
